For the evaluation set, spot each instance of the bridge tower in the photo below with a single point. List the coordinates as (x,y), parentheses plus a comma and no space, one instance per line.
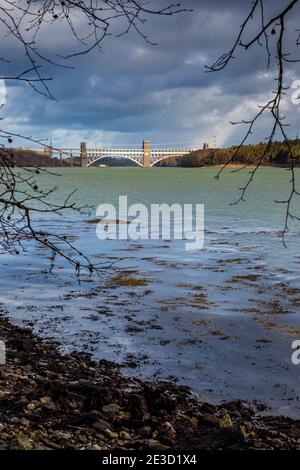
(147,154)
(83,155)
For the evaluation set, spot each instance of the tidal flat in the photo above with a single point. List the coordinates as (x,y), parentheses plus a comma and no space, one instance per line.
(219,320)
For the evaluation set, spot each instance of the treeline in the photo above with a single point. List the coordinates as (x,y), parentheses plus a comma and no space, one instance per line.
(277,155)
(114,161)
(19,157)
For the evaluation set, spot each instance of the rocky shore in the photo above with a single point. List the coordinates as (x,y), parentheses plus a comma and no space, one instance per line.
(51,401)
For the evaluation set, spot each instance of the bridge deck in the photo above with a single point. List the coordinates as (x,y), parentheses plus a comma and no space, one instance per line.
(144,156)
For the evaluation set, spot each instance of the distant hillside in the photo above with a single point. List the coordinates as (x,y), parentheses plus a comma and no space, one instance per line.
(277,156)
(114,161)
(33,159)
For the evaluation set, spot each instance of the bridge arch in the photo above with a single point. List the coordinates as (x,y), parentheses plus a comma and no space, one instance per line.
(125,157)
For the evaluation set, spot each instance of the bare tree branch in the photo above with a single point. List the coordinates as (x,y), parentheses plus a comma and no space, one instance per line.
(273,28)
(89,22)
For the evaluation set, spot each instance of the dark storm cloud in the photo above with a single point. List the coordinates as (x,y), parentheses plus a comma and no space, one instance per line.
(135,90)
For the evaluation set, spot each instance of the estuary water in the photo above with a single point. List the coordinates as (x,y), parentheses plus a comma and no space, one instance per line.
(221,319)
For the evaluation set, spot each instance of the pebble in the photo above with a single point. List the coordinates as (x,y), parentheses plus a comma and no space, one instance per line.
(96,447)
(45,400)
(226,422)
(145,431)
(73,402)
(210,419)
(156,445)
(167,431)
(101,425)
(194,422)
(23,442)
(111,434)
(30,407)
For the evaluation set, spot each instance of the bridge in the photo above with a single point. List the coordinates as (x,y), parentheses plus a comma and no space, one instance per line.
(145,156)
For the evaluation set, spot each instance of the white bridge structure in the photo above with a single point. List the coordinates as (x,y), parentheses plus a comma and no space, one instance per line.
(144,156)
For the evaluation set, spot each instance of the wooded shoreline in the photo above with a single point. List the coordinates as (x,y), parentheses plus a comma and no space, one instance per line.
(277,156)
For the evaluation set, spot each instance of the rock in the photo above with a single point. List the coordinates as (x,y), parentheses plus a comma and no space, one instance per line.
(207,408)
(244,432)
(30,407)
(43,363)
(226,422)
(156,445)
(210,419)
(25,422)
(41,447)
(111,434)
(63,435)
(37,435)
(23,442)
(101,425)
(52,445)
(145,431)
(73,405)
(111,410)
(96,447)
(167,431)
(123,416)
(124,429)
(259,445)
(2,427)
(88,418)
(167,401)
(138,408)
(124,435)
(194,422)
(50,406)
(45,400)
(82,438)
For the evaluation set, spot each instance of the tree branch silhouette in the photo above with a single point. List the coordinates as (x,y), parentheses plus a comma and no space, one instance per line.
(269,32)
(89,23)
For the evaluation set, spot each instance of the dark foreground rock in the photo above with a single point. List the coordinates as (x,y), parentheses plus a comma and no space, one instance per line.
(50,401)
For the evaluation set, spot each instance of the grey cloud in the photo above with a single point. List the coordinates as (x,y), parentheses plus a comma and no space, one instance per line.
(135,90)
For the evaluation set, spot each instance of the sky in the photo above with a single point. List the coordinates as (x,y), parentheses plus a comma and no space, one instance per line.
(132,90)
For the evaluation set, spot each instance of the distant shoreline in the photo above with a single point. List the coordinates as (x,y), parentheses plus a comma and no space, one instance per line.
(276,156)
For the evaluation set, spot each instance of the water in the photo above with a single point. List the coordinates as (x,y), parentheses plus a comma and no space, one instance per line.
(221,319)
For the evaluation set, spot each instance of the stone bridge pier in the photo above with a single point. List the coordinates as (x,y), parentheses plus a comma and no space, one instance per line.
(147,154)
(83,155)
